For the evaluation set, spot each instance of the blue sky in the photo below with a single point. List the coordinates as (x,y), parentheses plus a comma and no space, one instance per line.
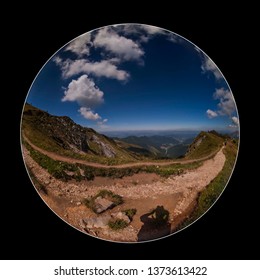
(135,77)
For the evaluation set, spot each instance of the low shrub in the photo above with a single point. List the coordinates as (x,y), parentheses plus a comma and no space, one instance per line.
(130,213)
(117,224)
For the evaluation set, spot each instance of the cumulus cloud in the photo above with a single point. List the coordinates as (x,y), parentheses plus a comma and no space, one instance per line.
(84,92)
(117,45)
(89,114)
(211,114)
(81,45)
(226,103)
(209,66)
(226,106)
(104,68)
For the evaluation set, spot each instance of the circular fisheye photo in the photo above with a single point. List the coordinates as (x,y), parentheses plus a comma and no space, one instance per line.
(129,133)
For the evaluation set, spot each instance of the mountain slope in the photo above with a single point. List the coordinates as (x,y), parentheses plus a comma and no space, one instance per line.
(65,137)
(204,144)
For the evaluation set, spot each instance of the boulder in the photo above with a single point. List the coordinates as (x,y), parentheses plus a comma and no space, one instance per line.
(102,204)
(97,222)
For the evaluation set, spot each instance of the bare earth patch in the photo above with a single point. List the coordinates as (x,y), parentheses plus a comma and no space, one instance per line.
(143,191)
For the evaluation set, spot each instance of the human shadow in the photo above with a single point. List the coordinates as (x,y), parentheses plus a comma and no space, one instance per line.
(155,224)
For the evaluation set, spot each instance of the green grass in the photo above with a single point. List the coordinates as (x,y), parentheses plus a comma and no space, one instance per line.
(115,173)
(172,169)
(57,169)
(38,126)
(130,213)
(117,224)
(205,144)
(67,171)
(209,195)
(164,171)
(45,143)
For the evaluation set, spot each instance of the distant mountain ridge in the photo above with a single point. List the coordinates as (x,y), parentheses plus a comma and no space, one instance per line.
(62,135)
(160,146)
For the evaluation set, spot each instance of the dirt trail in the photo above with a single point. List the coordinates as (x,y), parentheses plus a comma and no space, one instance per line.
(99,165)
(177,193)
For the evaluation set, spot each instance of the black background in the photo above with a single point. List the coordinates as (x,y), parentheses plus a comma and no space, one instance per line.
(31,230)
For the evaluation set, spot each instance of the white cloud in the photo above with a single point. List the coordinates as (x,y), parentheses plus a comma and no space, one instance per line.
(103,122)
(235,121)
(104,68)
(221,93)
(211,114)
(226,105)
(89,114)
(122,47)
(84,92)
(137,29)
(57,60)
(80,45)
(152,29)
(209,66)
(142,33)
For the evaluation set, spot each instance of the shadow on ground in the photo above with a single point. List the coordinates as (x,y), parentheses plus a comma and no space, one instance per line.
(155,224)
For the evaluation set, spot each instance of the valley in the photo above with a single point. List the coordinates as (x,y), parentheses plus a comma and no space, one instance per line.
(172,145)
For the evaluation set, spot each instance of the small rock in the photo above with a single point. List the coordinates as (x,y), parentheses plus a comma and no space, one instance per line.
(78,203)
(82,223)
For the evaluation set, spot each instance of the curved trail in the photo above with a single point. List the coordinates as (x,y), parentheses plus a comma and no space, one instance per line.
(178,194)
(55,156)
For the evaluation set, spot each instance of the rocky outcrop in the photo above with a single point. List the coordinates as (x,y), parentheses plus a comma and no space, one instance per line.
(106,149)
(64,132)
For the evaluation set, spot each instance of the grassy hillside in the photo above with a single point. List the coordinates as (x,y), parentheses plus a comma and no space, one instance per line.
(204,144)
(64,137)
